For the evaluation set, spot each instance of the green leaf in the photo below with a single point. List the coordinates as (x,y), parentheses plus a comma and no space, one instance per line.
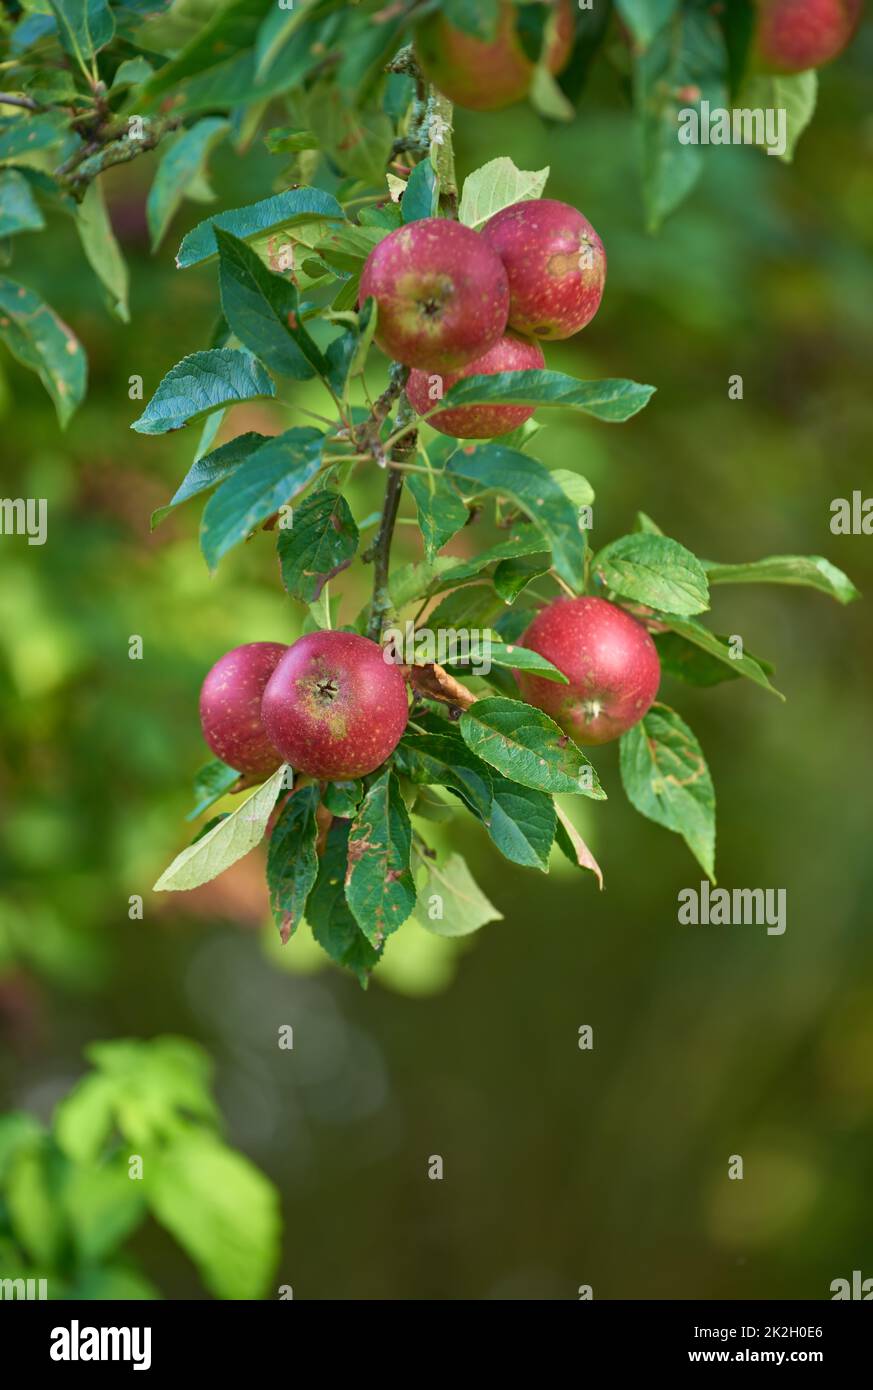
(522,823)
(665,776)
(292,862)
(41,341)
(645,17)
(84,26)
(711,650)
(442,760)
(526,746)
(274,33)
(478,18)
(577,488)
(211,469)
(491,468)
(475,605)
(511,577)
(269,216)
(229,841)
(343,798)
(213,781)
(611,399)
(201,383)
(272,476)
(357,139)
(131,73)
(810,571)
(574,848)
(421,196)
(450,903)
(795,95)
(19,211)
(525,541)
(102,1206)
(320,542)
(656,571)
(521,659)
(329,915)
(441,511)
(85,1118)
(346,247)
(498,184)
(263,311)
(182,163)
(155,1084)
(687,52)
(21,138)
(102,250)
(645,523)
(220,1209)
(379,886)
(546,97)
(347,354)
(32,1207)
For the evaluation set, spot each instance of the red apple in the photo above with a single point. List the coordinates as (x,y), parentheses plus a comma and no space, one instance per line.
(334,707)
(230,707)
(793,35)
(484,76)
(608,658)
(509,354)
(441,292)
(556,266)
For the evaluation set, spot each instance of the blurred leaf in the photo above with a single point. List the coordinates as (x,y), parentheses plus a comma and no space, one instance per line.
(270,215)
(379,886)
(102,250)
(271,478)
(793,95)
(84,1119)
(292,863)
(645,17)
(450,902)
(41,341)
(665,776)
(321,540)
(329,915)
(358,140)
(611,400)
(478,18)
(526,746)
(229,841)
(131,73)
(19,1133)
(102,1205)
(656,571)
(810,571)
(498,184)
(113,1283)
(181,163)
(546,97)
(200,383)
(19,211)
(22,137)
(85,26)
(36,1218)
(709,649)
(571,844)
(222,1211)
(577,488)
(263,311)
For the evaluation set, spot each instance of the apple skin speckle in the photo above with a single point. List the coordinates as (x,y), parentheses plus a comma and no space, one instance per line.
(230,707)
(556,264)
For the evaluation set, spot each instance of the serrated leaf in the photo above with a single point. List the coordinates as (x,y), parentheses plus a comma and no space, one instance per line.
(181,163)
(292,861)
(474,605)
(665,776)
(230,840)
(613,400)
(809,571)
(441,511)
(491,468)
(511,577)
(269,216)
(272,476)
(343,798)
(379,886)
(656,571)
(263,311)
(320,542)
(716,649)
(40,340)
(201,383)
(521,822)
(572,845)
(498,184)
(527,540)
(516,658)
(442,760)
(793,95)
(526,746)
(102,250)
(450,903)
(211,469)
(329,915)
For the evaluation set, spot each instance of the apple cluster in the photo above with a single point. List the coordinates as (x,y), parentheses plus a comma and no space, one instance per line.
(453,302)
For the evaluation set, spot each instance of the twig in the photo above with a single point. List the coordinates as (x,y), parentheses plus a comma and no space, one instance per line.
(380,551)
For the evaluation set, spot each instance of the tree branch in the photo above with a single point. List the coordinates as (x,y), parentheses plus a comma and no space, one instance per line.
(380,551)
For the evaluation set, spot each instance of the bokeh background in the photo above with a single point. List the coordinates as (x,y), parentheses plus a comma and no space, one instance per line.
(562,1167)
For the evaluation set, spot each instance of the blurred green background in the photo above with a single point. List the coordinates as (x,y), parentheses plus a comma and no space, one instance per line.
(562,1167)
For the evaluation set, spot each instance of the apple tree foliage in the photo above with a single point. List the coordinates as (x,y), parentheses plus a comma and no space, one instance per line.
(369,148)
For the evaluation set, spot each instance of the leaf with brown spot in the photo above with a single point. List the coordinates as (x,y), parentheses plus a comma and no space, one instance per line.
(379,885)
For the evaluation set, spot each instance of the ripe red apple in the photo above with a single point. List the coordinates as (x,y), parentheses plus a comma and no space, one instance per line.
(608,658)
(442,294)
(793,35)
(509,354)
(556,266)
(334,707)
(484,76)
(230,707)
